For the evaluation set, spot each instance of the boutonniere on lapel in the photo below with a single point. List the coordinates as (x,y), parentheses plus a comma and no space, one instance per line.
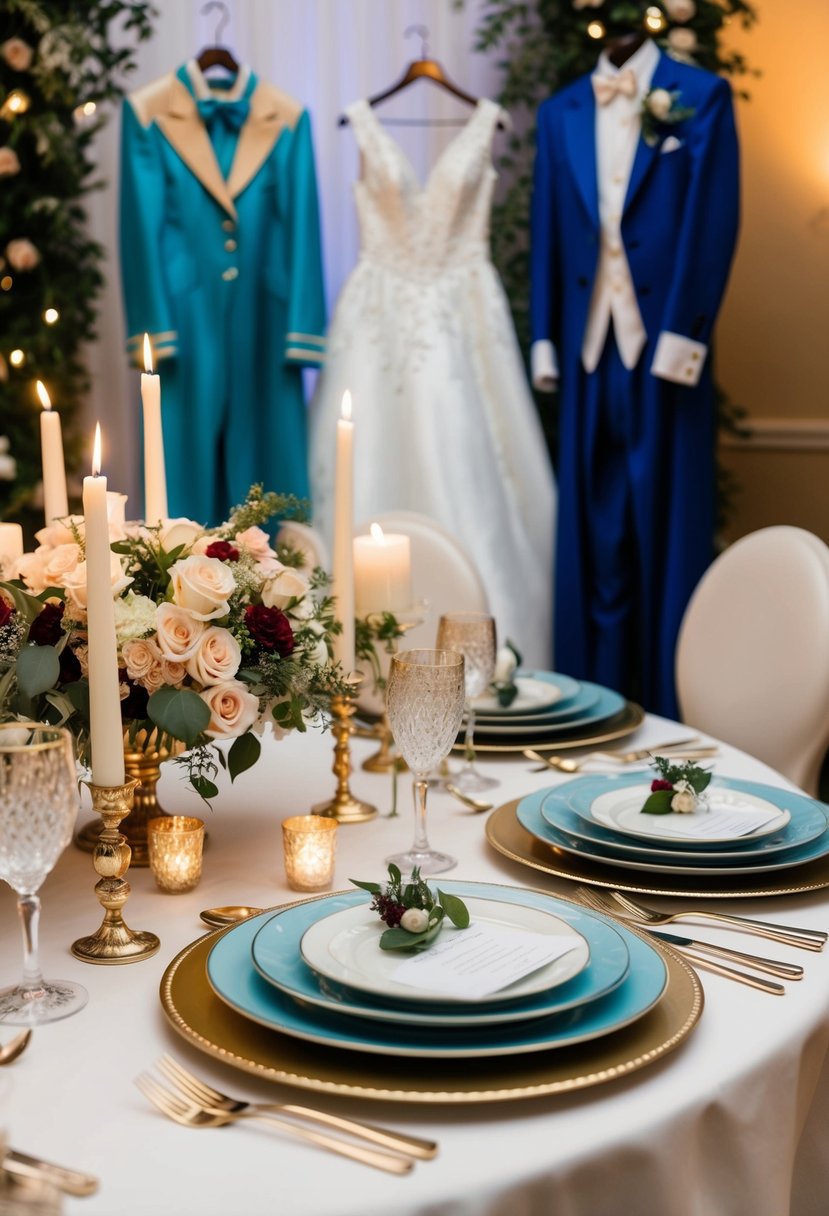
(662,108)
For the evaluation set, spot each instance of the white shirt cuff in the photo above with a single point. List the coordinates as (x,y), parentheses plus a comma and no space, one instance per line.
(678,359)
(544,366)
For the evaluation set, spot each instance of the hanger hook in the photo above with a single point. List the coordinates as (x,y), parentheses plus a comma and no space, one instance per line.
(223,20)
(422,32)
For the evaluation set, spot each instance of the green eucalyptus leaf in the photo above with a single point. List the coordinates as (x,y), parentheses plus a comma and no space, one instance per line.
(78,694)
(455,909)
(373,888)
(394,873)
(180,713)
(401,939)
(205,788)
(658,803)
(243,754)
(38,669)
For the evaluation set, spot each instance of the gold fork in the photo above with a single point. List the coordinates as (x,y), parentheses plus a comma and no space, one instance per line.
(197,1090)
(191,1114)
(807,939)
(15,1047)
(567,765)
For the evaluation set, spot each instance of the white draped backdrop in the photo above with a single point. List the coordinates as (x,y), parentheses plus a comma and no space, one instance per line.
(325,53)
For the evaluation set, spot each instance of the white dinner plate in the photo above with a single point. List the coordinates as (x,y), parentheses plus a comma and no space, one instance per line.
(344,948)
(620,810)
(533,696)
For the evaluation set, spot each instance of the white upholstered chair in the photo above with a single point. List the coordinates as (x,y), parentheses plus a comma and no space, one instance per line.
(752,659)
(444,579)
(307,541)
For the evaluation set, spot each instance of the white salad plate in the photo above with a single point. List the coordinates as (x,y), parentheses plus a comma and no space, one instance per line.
(620,810)
(533,695)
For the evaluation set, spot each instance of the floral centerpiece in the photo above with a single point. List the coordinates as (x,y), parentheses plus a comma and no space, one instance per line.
(219,634)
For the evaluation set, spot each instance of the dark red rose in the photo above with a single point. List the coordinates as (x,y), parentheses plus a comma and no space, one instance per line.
(270,629)
(45,629)
(134,704)
(6,611)
(70,668)
(224,550)
(659,784)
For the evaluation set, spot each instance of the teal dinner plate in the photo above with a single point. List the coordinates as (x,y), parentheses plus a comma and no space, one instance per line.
(593,704)
(530,816)
(234,979)
(276,956)
(805,826)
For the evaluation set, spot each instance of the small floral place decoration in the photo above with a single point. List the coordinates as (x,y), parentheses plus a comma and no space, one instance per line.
(503,686)
(679,787)
(414,915)
(662,108)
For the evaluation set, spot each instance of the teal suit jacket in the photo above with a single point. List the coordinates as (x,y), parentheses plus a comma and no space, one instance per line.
(221,265)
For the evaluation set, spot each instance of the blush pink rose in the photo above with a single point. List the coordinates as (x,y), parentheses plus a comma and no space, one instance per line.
(233,709)
(60,562)
(202,586)
(217,658)
(142,659)
(178,633)
(256,542)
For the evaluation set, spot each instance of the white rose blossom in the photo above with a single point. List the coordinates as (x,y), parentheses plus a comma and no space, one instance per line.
(22,254)
(75,582)
(60,531)
(284,587)
(680,10)
(233,709)
(414,920)
(685,799)
(9,162)
(683,41)
(178,633)
(659,102)
(202,586)
(17,54)
(217,658)
(181,531)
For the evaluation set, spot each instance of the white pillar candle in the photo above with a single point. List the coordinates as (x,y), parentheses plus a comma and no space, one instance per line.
(11,549)
(104,699)
(55,502)
(343,572)
(382,572)
(155,475)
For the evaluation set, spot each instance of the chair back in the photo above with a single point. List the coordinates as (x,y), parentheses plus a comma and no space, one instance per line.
(752,659)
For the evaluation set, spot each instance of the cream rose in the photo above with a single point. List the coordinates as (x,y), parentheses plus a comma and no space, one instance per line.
(172,673)
(217,658)
(142,659)
(31,568)
(17,54)
(22,254)
(287,585)
(685,799)
(59,532)
(181,531)
(256,542)
(178,633)
(680,10)
(202,586)
(9,162)
(60,562)
(233,709)
(659,102)
(414,920)
(75,581)
(683,41)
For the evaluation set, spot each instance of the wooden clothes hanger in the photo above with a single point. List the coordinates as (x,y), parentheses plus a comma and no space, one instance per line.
(217,56)
(619,50)
(421,69)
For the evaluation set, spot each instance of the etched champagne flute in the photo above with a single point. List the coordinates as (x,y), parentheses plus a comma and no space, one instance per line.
(38,807)
(473,635)
(425,697)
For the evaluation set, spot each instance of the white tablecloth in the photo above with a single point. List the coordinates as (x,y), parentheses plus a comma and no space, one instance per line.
(732,1124)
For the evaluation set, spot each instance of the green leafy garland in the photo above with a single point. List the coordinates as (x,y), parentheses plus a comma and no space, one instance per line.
(545,44)
(60,60)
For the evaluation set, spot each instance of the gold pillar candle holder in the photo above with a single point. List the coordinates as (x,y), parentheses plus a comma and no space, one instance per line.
(175,845)
(344,807)
(114,941)
(309,845)
(142,762)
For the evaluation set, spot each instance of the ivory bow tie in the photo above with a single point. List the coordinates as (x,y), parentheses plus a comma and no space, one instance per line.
(608,87)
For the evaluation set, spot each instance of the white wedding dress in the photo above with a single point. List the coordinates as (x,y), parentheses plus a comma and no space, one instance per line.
(444,422)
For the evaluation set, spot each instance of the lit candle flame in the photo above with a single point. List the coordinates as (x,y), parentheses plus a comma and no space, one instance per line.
(345,412)
(43,395)
(96,452)
(148,355)
(377,534)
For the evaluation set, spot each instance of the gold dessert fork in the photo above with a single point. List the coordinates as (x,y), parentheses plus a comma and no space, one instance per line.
(199,1091)
(807,939)
(192,1114)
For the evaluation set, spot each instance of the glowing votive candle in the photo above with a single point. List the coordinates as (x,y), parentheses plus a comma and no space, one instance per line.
(382,572)
(11,548)
(175,846)
(310,842)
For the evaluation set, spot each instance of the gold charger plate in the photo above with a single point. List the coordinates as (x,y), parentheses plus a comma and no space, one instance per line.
(207,1023)
(509,837)
(618,727)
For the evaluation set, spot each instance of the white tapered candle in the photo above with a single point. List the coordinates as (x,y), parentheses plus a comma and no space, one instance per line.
(155,473)
(343,572)
(55,501)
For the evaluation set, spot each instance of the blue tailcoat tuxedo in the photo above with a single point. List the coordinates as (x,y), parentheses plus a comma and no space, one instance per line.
(221,264)
(636,468)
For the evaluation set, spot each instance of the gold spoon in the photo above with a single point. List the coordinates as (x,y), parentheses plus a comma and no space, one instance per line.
(477,805)
(218,918)
(15,1047)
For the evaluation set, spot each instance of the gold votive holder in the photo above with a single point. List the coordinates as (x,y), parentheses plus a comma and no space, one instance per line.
(175,845)
(310,843)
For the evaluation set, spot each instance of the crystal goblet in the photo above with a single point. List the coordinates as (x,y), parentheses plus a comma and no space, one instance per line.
(473,635)
(425,698)
(38,807)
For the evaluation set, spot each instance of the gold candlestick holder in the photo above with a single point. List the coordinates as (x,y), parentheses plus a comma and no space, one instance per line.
(114,941)
(344,807)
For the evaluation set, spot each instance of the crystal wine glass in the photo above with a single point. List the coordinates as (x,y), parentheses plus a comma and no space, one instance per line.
(425,698)
(472,634)
(38,806)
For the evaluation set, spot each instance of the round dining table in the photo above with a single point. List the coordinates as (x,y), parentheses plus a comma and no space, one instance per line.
(734,1122)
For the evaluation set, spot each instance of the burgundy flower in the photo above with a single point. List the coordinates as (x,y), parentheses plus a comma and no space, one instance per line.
(45,629)
(659,784)
(134,705)
(223,549)
(270,629)
(6,611)
(70,668)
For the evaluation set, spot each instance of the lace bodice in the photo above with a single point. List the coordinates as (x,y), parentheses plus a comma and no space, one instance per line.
(422,230)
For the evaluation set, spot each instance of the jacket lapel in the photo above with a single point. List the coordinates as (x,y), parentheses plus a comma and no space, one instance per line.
(271,111)
(580,139)
(646,154)
(183,127)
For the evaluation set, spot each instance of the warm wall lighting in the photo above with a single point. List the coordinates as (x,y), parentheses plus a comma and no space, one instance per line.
(596,30)
(51,315)
(17,358)
(6,282)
